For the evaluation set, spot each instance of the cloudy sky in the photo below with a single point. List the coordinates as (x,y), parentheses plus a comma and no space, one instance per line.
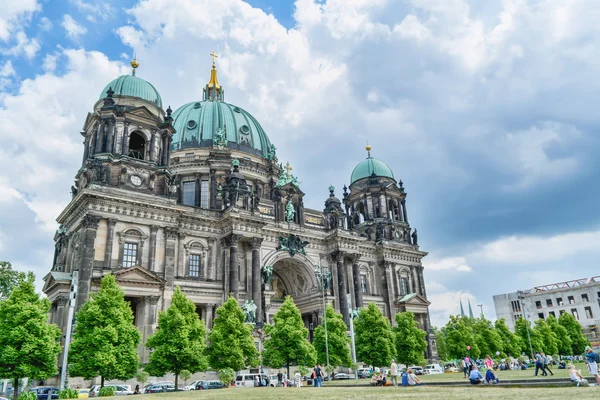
(486,111)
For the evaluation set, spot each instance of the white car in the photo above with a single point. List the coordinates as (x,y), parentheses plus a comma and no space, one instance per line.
(120,390)
(192,386)
(432,369)
(341,375)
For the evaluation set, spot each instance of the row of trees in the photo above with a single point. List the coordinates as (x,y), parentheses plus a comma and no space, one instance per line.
(562,336)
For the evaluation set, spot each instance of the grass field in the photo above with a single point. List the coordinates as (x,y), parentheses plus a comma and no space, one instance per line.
(379,393)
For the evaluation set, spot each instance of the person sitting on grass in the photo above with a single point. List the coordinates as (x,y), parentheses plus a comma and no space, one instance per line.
(413,380)
(576,376)
(374,379)
(490,377)
(475,377)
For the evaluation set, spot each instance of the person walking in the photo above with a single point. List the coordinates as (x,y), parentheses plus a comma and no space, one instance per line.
(279,379)
(465,367)
(592,360)
(297,379)
(539,364)
(546,363)
(318,374)
(394,373)
(488,362)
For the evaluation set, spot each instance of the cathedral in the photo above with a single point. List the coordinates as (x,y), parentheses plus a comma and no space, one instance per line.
(197,198)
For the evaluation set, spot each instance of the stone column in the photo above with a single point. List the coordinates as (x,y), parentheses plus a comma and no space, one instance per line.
(383,206)
(169,141)
(89,228)
(170,245)
(100,138)
(153,145)
(421,281)
(164,147)
(125,140)
(231,241)
(256,277)
(415,281)
(181,257)
(388,290)
(358,296)
(110,233)
(149,321)
(110,135)
(211,259)
(213,189)
(403,202)
(61,313)
(338,258)
(152,258)
(86,148)
(208,312)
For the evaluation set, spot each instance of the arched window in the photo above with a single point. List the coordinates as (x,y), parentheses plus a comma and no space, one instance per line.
(360,207)
(137,145)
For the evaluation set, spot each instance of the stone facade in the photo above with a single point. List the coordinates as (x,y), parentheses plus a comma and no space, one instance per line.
(216,220)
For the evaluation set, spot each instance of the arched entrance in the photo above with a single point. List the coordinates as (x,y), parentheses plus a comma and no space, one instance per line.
(294,276)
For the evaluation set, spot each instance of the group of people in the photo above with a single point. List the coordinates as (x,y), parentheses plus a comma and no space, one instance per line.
(542,362)
(408,377)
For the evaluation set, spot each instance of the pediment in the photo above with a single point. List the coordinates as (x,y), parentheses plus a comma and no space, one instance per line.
(138,275)
(413,299)
(143,112)
(54,278)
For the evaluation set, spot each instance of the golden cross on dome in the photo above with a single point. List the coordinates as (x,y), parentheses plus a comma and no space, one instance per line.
(214,57)
(289,168)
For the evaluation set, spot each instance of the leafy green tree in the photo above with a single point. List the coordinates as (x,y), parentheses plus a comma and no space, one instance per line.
(288,339)
(179,342)
(562,336)
(9,278)
(459,335)
(231,343)
(142,377)
(226,375)
(105,342)
(487,338)
(29,346)
(337,340)
(373,337)
(511,343)
(548,337)
(537,342)
(409,339)
(578,340)
(440,340)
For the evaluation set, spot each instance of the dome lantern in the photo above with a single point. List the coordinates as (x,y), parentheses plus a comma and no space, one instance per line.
(370,167)
(213,90)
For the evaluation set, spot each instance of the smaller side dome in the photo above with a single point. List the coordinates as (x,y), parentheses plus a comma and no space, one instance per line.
(370,166)
(132,86)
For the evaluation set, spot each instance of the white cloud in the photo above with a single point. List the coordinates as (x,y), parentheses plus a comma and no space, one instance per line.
(101,10)
(72,28)
(446,302)
(13,14)
(7,69)
(50,62)
(23,46)
(458,264)
(45,24)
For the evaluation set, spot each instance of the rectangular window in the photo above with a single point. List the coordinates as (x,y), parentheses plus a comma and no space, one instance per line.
(561,312)
(129,255)
(516,305)
(363,283)
(538,304)
(404,282)
(559,301)
(204,194)
(575,313)
(541,315)
(588,313)
(194,266)
(549,302)
(571,300)
(552,313)
(584,298)
(189,193)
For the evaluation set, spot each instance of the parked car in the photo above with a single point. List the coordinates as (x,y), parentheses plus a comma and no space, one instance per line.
(120,390)
(247,380)
(160,387)
(192,386)
(46,392)
(83,393)
(364,373)
(341,375)
(432,369)
(416,369)
(206,385)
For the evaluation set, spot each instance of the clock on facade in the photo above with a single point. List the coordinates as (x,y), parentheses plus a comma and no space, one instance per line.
(136,180)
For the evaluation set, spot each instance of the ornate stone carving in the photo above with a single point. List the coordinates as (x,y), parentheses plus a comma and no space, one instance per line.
(292,244)
(337,256)
(250,310)
(90,221)
(153,300)
(256,242)
(62,301)
(231,240)
(353,257)
(171,233)
(154,228)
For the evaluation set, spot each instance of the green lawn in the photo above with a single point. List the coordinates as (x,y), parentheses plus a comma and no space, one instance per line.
(379,393)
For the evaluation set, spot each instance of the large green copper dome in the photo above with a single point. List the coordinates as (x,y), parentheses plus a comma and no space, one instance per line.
(368,167)
(132,86)
(204,123)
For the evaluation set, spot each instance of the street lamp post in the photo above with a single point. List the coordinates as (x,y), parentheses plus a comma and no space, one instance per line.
(526,319)
(353,314)
(324,286)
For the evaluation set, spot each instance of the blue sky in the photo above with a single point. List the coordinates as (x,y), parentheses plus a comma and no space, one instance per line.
(486,111)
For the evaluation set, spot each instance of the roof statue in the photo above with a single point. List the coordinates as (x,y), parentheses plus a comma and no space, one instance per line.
(287,177)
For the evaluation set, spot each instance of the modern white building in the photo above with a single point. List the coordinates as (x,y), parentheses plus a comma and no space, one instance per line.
(580,297)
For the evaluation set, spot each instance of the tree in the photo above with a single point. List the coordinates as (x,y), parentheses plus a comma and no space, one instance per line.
(511,343)
(409,339)
(10,278)
(373,337)
(578,340)
(562,336)
(337,340)
(231,343)
(459,336)
(288,339)
(105,342)
(440,340)
(488,340)
(29,346)
(548,337)
(179,342)
(522,328)
(142,377)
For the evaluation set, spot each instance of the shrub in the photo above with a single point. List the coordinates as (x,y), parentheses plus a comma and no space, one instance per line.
(106,391)
(226,375)
(142,376)
(303,370)
(28,396)
(68,394)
